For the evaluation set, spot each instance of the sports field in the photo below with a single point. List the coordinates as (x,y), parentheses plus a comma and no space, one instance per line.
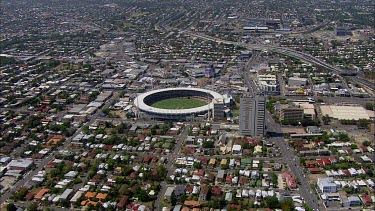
(179,103)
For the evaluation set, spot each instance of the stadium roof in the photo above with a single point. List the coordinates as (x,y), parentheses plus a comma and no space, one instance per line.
(139,102)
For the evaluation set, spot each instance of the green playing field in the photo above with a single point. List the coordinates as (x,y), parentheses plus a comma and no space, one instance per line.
(179,103)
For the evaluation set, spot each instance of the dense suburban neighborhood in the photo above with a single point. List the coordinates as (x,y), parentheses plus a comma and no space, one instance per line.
(187,105)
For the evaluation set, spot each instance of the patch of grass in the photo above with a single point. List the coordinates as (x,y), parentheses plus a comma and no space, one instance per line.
(179,103)
(235,113)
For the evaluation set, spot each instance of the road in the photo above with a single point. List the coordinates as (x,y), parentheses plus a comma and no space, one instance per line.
(281,50)
(293,162)
(25,204)
(169,166)
(249,82)
(44,161)
(287,154)
(26,178)
(369,85)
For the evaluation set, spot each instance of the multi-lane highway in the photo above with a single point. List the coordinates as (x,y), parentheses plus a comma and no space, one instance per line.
(282,50)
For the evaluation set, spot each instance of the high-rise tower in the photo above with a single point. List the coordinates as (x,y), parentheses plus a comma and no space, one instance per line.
(252,116)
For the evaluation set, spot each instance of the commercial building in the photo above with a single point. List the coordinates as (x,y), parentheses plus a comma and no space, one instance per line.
(245,54)
(346,112)
(209,72)
(291,112)
(236,149)
(308,110)
(312,130)
(197,72)
(218,108)
(5,160)
(252,116)
(297,82)
(269,84)
(343,31)
(327,185)
(20,164)
(354,200)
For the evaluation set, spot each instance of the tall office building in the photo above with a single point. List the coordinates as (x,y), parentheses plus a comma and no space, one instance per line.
(252,116)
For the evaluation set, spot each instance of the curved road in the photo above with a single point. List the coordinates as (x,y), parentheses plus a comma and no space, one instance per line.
(282,50)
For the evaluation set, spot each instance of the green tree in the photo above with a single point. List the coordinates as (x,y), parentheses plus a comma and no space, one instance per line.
(32,207)
(122,93)
(208,144)
(143,196)
(344,137)
(86,129)
(77,181)
(366,143)
(129,115)
(326,119)
(7,60)
(274,180)
(370,106)
(182,198)
(363,123)
(353,146)
(307,208)
(21,194)
(173,199)
(11,207)
(273,202)
(287,205)
(344,165)
(197,165)
(106,111)
(121,128)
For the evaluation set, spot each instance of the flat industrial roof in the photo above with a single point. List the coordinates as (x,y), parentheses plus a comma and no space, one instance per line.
(139,102)
(21,163)
(345,112)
